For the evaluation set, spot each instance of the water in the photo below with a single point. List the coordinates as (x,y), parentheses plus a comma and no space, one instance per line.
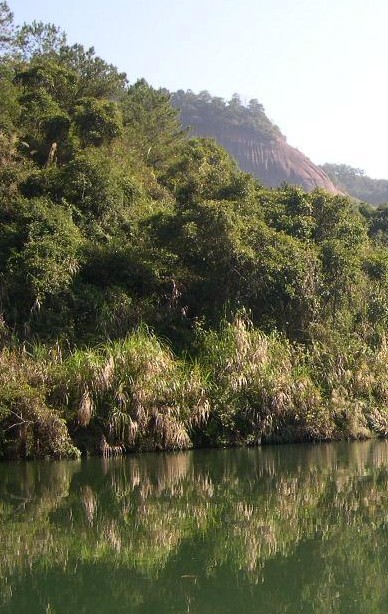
(283,529)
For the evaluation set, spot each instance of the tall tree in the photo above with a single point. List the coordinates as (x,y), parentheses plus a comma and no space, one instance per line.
(152,125)
(96,78)
(39,39)
(6,28)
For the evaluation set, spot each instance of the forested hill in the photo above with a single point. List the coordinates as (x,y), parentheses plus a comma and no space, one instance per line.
(355,182)
(155,296)
(252,139)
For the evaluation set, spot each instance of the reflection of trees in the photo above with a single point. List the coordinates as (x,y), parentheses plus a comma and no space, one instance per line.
(244,508)
(29,492)
(353,576)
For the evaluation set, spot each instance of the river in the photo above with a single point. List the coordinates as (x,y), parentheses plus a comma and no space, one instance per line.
(288,529)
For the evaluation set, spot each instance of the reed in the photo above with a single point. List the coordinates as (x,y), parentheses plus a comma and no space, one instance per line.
(243,388)
(263,387)
(135,392)
(29,426)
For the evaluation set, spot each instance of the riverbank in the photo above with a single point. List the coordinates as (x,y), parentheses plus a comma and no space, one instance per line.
(244,387)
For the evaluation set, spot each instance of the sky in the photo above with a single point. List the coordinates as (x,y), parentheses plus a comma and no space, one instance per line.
(319,67)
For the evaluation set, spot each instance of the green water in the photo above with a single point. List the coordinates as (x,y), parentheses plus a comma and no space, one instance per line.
(275,529)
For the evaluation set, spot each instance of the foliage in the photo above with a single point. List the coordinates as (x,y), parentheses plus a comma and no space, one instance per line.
(39,39)
(6,28)
(355,182)
(203,110)
(96,78)
(151,124)
(149,256)
(28,426)
(97,121)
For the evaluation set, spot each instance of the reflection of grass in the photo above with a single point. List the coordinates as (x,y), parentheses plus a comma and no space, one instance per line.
(354,552)
(141,515)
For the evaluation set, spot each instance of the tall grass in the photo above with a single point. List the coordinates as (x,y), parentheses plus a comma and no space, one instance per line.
(29,426)
(265,388)
(134,391)
(261,388)
(245,387)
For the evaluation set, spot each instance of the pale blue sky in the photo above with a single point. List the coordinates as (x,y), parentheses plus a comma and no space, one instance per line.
(319,67)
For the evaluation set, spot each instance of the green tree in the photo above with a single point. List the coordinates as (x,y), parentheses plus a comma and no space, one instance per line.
(152,125)
(96,78)
(7,29)
(39,39)
(202,171)
(97,121)
(39,258)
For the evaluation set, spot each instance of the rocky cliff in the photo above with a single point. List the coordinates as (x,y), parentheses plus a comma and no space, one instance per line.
(272,161)
(256,144)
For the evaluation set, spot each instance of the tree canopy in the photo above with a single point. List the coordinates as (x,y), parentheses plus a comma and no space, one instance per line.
(355,182)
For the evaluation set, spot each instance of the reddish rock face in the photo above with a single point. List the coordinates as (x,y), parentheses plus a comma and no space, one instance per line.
(270,159)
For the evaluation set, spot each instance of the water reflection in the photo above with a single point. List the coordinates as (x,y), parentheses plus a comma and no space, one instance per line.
(281,529)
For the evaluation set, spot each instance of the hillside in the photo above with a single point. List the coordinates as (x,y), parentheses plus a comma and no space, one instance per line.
(153,296)
(355,182)
(251,138)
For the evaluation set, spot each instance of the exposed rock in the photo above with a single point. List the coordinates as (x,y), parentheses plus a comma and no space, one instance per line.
(270,159)
(253,140)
